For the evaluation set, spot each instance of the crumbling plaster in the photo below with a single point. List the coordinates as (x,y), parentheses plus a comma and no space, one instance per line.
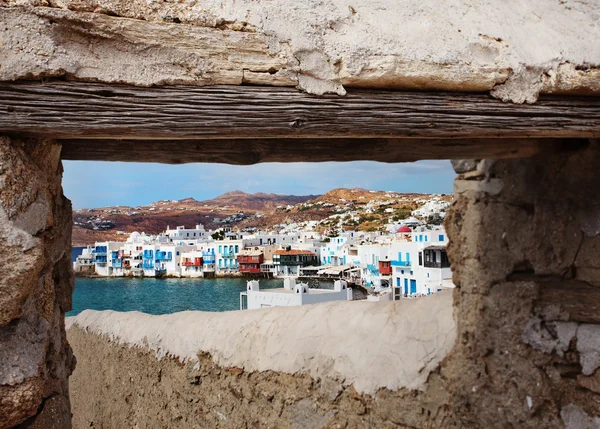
(366,345)
(513,49)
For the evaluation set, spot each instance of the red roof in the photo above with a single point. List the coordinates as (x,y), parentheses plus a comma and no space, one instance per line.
(404,229)
(294,252)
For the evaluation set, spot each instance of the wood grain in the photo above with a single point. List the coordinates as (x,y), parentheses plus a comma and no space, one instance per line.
(84,110)
(580,300)
(252,151)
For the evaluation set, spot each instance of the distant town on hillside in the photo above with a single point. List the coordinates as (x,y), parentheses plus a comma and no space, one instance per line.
(337,210)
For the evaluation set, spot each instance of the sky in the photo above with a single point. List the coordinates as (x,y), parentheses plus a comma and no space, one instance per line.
(99,184)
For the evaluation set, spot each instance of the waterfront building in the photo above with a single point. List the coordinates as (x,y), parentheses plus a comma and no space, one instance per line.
(287,262)
(102,254)
(250,260)
(84,263)
(292,294)
(420,265)
(410,262)
(192,263)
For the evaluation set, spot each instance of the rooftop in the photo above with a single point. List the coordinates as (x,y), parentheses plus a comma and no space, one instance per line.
(294,252)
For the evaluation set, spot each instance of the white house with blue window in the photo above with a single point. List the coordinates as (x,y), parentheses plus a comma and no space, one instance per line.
(420,265)
(369,256)
(226,255)
(335,252)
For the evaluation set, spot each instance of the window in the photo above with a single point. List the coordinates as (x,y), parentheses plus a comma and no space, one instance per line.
(420,258)
(441,237)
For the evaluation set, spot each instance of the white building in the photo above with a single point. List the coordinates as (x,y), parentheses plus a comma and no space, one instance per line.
(292,294)
(182,233)
(421,266)
(431,207)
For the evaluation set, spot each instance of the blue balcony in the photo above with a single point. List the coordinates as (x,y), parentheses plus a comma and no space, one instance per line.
(148,264)
(163,256)
(100,259)
(99,250)
(400,263)
(208,258)
(148,254)
(373,269)
(116,263)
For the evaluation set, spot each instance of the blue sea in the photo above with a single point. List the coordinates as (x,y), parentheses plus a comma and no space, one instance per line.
(160,296)
(163,296)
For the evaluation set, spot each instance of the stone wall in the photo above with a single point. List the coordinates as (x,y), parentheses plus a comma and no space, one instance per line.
(35,286)
(524,244)
(524,241)
(343,363)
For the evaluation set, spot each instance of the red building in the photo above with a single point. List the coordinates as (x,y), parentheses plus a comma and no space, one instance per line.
(191,262)
(249,261)
(385,268)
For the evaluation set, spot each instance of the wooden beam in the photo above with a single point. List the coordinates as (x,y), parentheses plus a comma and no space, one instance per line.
(70,110)
(252,151)
(579,300)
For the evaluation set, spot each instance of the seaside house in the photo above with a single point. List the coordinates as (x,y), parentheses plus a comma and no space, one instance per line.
(292,294)
(226,255)
(420,265)
(287,262)
(250,260)
(191,263)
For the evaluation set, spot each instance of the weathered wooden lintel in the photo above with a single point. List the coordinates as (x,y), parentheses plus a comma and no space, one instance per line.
(245,124)
(253,151)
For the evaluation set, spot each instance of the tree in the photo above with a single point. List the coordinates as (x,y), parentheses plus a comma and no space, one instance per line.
(219,235)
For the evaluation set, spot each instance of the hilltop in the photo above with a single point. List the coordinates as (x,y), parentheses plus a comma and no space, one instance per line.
(117,222)
(354,208)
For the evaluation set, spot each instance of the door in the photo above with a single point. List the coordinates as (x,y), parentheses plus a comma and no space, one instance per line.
(413,286)
(406,286)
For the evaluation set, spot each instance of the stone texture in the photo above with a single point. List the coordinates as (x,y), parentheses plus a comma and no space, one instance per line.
(318,339)
(515,227)
(515,52)
(116,385)
(35,282)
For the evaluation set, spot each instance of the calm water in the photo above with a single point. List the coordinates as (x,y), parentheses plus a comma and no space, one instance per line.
(161,296)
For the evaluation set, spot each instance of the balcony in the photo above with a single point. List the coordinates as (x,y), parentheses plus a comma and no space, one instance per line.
(163,256)
(100,259)
(100,250)
(250,259)
(248,270)
(373,268)
(116,263)
(400,263)
(148,265)
(195,263)
(428,264)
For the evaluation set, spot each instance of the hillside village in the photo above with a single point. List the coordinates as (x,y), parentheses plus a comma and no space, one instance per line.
(339,209)
(389,242)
